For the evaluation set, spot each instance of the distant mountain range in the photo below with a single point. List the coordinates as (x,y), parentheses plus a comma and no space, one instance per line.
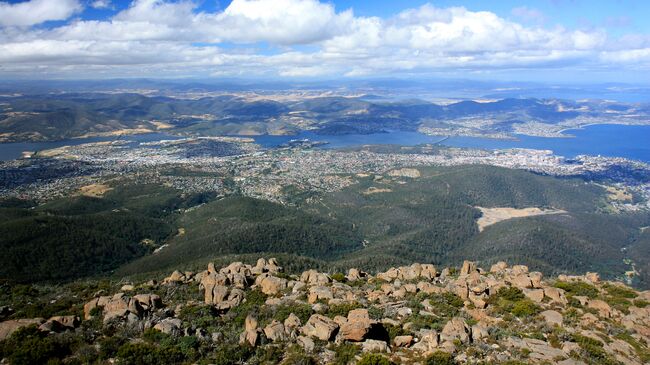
(70,115)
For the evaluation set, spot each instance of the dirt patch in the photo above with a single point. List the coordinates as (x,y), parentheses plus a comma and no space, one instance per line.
(617,194)
(118,132)
(375,190)
(95,190)
(405,172)
(495,215)
(161,125)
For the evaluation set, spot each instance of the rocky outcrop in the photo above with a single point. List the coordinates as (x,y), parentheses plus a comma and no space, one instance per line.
(60,324)
(506,313)
(7,328)
(122,306)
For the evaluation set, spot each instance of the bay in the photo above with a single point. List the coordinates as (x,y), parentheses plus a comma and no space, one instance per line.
(632,142)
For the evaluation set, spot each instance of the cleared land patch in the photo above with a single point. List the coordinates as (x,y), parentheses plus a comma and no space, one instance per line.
(375,190)
(495,215)
(95,190)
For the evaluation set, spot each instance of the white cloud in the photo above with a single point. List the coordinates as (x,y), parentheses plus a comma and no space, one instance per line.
(36,11)
(102,4)
(307,38)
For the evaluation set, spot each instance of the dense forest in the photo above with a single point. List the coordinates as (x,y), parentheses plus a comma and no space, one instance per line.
(431,218)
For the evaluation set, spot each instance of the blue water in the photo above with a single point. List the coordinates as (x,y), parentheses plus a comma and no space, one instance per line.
(12,151)
(609,140)
(631,142)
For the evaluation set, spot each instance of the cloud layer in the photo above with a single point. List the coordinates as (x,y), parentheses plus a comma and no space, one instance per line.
(294,38)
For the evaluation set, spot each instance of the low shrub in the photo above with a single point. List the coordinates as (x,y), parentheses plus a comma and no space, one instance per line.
(578,288)
(440,358)
(524,308)
(373,359)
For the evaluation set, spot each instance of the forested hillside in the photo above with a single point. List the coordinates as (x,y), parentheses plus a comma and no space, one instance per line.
(380,221)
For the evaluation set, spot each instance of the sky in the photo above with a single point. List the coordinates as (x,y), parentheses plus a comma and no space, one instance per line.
(562,41)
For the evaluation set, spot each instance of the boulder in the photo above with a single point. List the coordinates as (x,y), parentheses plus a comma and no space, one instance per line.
(468,268)
(215,294)
(271,285)
(119,305)
(357,325)
(390,275)
(88,307)
(499,267)
(259,267)
(251,332)
(317,293)
(521,281)
(592,277)
(353,275)
(320,327)
(306,343)
(552,317)
(428,272)
(538,350)
(175,277)
(479,332)
(275,331)
(536,295)
(272,266)
(409,272)
(536,279)
(170,326)
(60,324)
(428,341)
(375,346)
(519,269)
(456,328)
(7,328)
(403,341)
(292,325)
(604,310)
(148,301)
(313,277)
(556,295)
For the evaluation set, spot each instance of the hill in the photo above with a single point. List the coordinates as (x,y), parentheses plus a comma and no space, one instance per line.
(66,115)
(427,214)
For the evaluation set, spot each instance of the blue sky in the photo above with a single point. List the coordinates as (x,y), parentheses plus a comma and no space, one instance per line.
(543,40)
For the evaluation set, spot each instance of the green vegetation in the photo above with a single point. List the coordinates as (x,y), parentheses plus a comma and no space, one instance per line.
(512,300)
(344,353)
(440,358)
(238,225)
(592,351)
(30,346)
(80,236)
(579,288)
(342,309)
(427,219)
(373,359)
